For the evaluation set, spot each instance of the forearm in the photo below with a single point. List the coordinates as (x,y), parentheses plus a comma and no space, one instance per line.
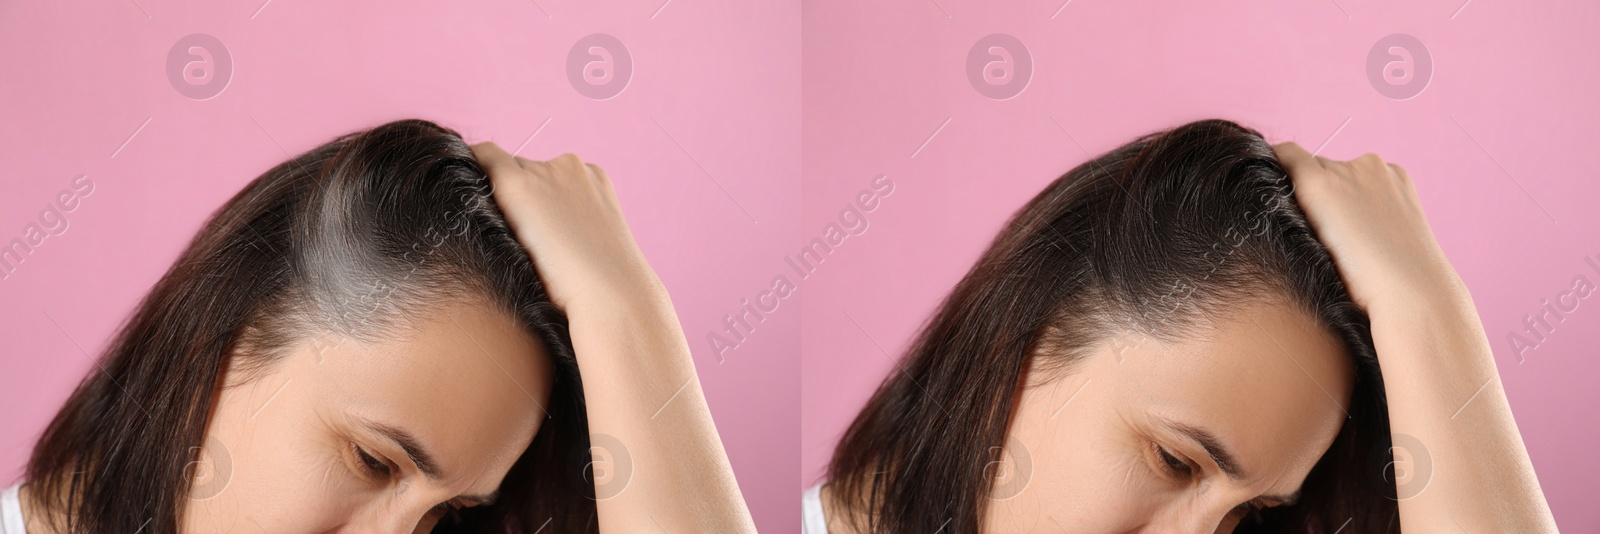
(1444,390)
(641,388)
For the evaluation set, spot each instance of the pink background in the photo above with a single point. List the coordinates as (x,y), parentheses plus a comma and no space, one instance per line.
(720,78)
(1511,93)
(708,131)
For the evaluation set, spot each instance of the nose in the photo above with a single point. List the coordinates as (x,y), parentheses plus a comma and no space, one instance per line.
(385,528)
(386,522)
(1189,520)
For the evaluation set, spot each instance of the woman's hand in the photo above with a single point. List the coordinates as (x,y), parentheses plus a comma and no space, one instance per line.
(1367,214)
(1439,375)
(640,388)
(566,214)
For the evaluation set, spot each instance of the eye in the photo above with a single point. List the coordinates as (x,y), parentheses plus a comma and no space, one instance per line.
(1170,463)
(369,462)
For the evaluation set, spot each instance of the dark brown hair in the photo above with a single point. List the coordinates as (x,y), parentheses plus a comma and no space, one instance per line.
(1171,228)
(347,238)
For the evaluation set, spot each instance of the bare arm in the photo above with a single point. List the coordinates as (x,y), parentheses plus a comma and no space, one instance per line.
(1443,389)
(644,398)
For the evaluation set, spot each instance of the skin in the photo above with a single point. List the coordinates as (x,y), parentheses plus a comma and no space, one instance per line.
(1268,384)
(281,454)
(293,468)
(1101,440)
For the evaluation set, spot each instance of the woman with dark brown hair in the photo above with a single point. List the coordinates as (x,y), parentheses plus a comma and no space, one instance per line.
(395,332)
(1160,342)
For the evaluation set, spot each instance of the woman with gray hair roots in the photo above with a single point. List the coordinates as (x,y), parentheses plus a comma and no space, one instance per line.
(395,332)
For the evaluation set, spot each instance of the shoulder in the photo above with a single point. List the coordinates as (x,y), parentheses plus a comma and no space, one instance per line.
(11,511)
(813,520)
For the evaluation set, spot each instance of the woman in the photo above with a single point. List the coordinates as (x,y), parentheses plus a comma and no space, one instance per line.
(1158,342)
(360,341)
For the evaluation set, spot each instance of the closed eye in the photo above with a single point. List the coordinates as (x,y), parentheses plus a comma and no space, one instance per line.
(370,464)
(1176,466)
(378,468)
(1170,463)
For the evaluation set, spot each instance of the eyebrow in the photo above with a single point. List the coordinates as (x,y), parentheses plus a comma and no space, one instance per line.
(420,456)
(1222,455)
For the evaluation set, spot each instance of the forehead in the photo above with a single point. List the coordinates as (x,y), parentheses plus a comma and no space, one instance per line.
(1267,380)
(465,380)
